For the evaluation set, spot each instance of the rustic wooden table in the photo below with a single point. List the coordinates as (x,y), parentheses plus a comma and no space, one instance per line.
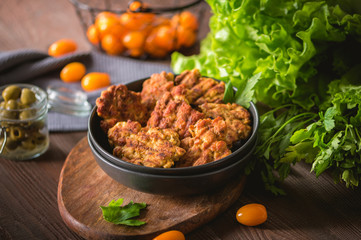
(313,208)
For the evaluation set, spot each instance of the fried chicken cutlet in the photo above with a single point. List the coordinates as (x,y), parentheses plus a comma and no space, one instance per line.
(236,117)
(173,111)
(200,89)
(206,144)
(155,87)
(117,103)
(150,147)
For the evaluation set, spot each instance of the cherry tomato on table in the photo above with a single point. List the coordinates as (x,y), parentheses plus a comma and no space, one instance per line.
(61,47)
(252,214)
(72,72)
(170,235)
(95,80)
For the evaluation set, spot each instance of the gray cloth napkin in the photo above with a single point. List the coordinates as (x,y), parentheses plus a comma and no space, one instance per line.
(34,67)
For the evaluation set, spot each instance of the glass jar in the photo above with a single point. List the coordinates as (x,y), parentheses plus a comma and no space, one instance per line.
(24,130)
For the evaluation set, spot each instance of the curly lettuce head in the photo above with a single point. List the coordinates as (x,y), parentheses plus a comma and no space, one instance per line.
(297,46)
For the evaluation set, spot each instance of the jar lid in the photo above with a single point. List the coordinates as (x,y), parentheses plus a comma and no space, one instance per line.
(68,101)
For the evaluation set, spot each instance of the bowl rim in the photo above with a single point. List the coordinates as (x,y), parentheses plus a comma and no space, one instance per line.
(252,139)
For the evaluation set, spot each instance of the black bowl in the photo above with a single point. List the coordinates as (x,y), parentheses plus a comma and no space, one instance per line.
(169,180)
(174,185)
(101,144)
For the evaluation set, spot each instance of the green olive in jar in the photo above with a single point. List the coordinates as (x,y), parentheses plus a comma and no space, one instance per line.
(11,144)
(9,112)
(16,133)
(5,114)
(39,138)
(11,105)
(27,114)
(11,92)
(27,96)
(28,144)
(37,124)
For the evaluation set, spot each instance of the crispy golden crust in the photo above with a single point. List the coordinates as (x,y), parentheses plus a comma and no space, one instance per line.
(118,134)
(188,78)
(174,112)
(200,89)
(206,144)
(117,103)
(155,87)
(212,95)
(151,147)
(237,118)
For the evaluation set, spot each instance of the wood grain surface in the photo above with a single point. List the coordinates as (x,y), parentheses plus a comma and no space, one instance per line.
(314,208)
(84,186)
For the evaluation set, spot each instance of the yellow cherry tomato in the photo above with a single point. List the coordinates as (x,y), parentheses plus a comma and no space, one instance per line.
(252,214)
(72,72)
(95,80)
(61,47)
(170,235)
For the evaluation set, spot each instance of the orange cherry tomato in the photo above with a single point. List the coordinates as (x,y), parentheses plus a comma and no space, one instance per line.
(112,44)
(135,6)
(175,20)
(72,72)
(93,34)
(136,52)
(185,37)
(134,40)
(252,214)
(62,47)
(165,37)
(95,80)
(105,14)
(170,235)
(136,21)
(107,23)
(160,20)
(188,20)
(152,49)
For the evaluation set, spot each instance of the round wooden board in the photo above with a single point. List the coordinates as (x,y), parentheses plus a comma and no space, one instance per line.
(84,187)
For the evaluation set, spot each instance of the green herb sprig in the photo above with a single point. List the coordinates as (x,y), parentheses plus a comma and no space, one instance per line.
(117,214)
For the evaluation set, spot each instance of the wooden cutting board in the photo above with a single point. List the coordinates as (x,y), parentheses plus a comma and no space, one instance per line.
(84,187)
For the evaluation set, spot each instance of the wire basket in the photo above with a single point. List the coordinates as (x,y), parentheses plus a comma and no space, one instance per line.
(148,29)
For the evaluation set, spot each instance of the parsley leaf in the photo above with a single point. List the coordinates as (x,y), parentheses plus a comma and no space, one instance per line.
(117,214)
